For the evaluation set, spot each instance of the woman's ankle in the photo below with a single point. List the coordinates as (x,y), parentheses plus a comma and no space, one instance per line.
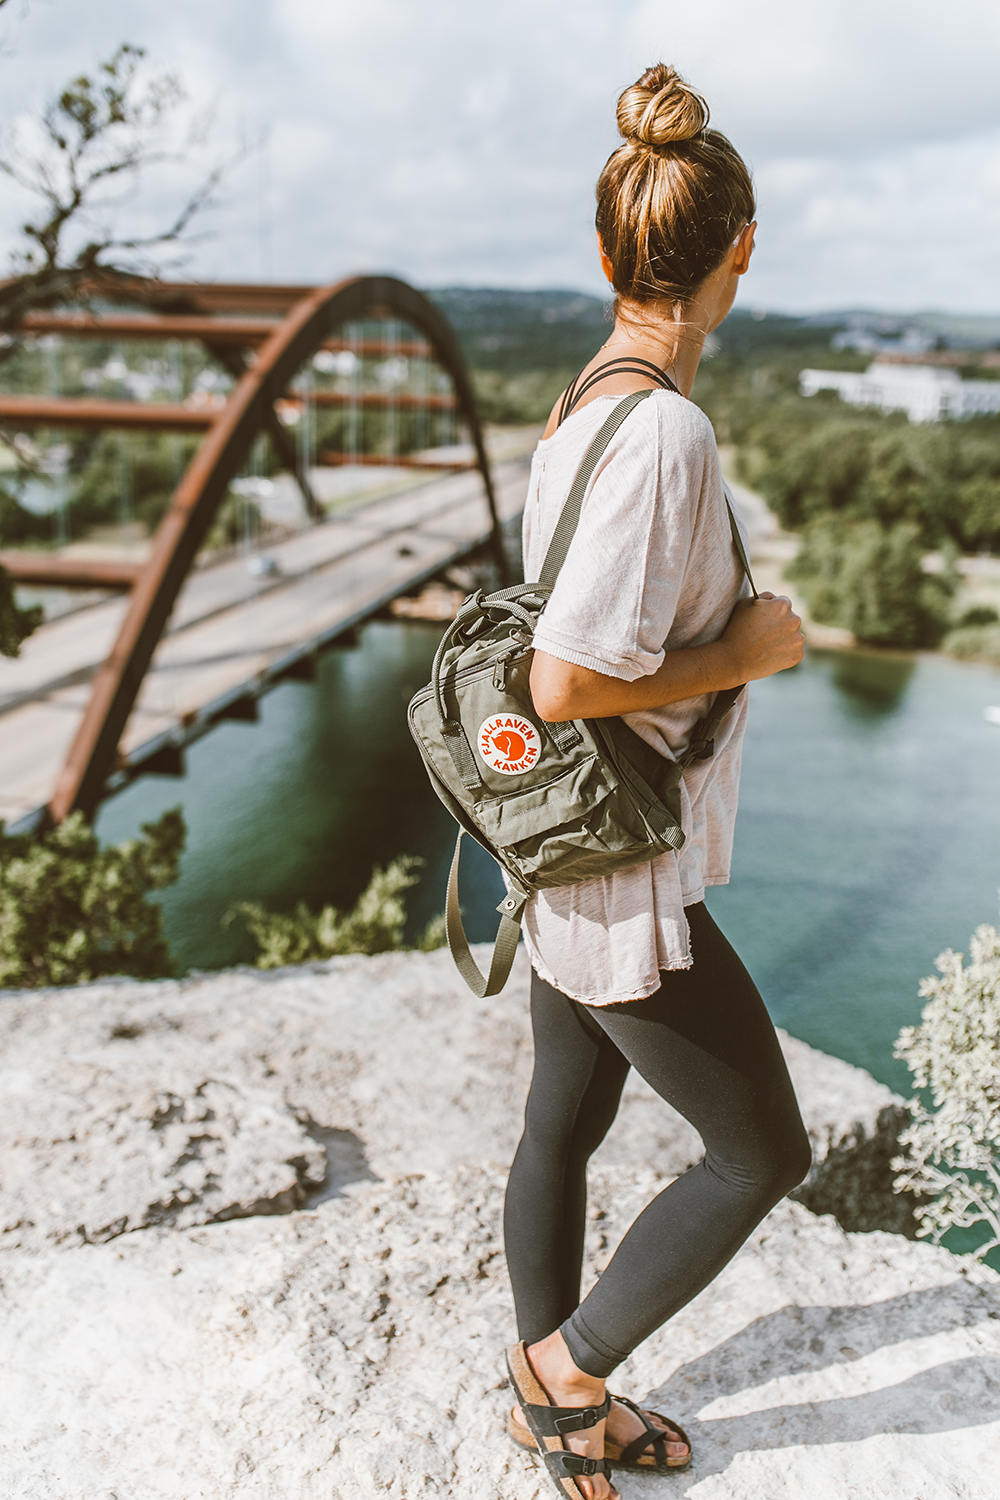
(558,1373)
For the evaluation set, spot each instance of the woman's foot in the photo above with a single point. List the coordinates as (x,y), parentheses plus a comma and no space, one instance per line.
(568,1385)
(623,1427)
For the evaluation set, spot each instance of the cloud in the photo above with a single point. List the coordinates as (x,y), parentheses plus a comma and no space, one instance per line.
(456,142)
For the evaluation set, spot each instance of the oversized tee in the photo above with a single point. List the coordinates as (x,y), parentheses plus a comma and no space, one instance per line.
(652,568)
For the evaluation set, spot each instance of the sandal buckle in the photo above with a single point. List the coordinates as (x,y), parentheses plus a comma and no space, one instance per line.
(579,1421)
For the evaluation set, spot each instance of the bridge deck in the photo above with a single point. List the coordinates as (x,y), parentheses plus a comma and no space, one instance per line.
(233,635)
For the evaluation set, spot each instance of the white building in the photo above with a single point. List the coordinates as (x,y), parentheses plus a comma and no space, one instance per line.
(925,392)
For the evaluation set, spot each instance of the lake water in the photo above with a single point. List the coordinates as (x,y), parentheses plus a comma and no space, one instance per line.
(868,838)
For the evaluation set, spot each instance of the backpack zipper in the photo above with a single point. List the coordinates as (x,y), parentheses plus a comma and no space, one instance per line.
(500,667)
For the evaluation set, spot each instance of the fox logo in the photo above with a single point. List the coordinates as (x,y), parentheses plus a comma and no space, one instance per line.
(509,744)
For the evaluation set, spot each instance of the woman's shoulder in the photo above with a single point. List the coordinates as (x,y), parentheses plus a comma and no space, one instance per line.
(665,423)
(681,418)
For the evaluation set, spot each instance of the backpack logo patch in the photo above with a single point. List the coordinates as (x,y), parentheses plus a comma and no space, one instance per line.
(509,744)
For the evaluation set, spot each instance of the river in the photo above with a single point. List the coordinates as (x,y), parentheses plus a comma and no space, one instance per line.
(868,838)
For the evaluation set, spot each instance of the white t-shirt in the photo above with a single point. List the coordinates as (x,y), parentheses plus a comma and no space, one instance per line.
(652,564)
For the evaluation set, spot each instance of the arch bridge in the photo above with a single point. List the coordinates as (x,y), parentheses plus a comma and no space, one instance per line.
(294,354)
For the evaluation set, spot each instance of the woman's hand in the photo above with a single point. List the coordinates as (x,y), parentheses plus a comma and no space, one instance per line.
(765,637)
(762,637)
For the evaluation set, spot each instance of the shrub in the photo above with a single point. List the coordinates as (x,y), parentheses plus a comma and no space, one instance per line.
(979,614)
(71,911)
(974,643)
(375,925)
(952,1154)
(18,524)
(869,579)
(978,509)
(16,624)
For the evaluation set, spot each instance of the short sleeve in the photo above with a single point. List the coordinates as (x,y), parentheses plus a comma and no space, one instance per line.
(618,591)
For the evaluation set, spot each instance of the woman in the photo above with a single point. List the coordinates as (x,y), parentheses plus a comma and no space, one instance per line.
(647,620)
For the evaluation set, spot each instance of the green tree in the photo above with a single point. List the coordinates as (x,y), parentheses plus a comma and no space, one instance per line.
(71,911)
(869,579)
(818,472)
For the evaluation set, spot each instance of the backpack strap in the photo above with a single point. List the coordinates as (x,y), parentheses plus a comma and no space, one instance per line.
(511,909)
(702,742)
(570,514)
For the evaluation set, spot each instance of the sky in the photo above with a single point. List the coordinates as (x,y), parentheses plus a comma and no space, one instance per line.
(457,142)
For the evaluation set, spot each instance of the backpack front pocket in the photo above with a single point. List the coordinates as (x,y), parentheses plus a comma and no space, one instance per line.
(565,829)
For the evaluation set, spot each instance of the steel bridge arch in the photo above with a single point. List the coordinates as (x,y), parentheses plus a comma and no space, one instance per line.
(227,443)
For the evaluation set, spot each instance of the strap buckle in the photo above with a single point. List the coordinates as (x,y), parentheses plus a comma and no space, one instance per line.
(580,1421)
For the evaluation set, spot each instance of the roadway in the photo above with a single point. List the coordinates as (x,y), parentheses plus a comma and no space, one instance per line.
(232,635)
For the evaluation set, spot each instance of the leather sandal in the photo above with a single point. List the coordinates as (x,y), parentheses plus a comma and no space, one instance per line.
(634,1456)
(548,1425)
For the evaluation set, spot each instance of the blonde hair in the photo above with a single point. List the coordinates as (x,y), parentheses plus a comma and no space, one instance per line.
(673,198)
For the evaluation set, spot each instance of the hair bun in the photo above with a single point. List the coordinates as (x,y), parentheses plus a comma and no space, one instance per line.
(660,108)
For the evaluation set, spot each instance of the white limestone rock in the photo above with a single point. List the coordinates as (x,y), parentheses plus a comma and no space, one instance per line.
(356,1350)
(353,1345)
(126,1104)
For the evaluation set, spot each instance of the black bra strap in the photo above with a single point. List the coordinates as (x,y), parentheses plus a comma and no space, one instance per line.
(568,400)
(625,365)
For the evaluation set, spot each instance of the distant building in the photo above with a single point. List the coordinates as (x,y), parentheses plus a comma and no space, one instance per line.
(925,392)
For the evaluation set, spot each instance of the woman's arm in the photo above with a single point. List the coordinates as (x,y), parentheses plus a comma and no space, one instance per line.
(762,637)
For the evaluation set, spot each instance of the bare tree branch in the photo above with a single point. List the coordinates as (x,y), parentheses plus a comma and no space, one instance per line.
(101,130)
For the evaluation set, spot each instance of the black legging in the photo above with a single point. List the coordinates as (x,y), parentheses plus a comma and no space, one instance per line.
(705,1043)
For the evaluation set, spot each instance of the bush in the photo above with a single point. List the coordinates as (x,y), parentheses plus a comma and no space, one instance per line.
(16,624)
(18,524)
(979,614)
(951,1155)
(375,925)
(978,508)
(869,579)
(71,911)
(974,643)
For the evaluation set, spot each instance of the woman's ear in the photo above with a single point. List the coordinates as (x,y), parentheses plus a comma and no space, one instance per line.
(606,265)
(744,248)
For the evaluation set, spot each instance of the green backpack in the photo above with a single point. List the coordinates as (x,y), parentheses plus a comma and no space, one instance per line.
(553,803)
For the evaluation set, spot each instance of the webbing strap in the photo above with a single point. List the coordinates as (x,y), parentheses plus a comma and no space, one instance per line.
(557,1421)
(567,523)
(465,762)
(564,735)
(741,551)
(702,742)
(504,948)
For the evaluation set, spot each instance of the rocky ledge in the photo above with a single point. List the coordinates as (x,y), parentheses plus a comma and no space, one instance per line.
(250,1231)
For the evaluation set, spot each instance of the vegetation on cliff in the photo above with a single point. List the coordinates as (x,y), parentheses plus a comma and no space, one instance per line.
(71,911)
(951,1151)
(374,925)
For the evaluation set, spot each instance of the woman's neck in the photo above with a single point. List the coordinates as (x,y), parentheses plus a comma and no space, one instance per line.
(675,345)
